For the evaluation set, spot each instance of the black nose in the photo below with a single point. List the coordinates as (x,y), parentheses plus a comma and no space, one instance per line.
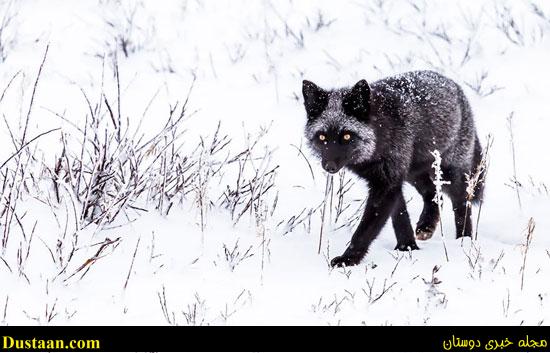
(331,167)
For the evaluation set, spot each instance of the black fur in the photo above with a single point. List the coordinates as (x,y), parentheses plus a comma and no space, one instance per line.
(315,99)
(395,124)
(356,103)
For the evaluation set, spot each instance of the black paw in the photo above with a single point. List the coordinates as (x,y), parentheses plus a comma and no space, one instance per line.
(407,246)
(424,232)
(346,260)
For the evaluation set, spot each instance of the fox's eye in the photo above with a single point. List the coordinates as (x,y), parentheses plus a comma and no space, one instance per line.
(346,137)
(322,137)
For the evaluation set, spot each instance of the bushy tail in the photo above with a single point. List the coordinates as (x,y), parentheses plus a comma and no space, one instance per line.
(477,161)
(478,168)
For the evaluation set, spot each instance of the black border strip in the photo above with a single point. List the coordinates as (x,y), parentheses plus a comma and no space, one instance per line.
(281,339)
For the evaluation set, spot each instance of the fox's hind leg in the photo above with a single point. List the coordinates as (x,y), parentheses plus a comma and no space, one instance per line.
(402,226)
(429,218)
(457,192)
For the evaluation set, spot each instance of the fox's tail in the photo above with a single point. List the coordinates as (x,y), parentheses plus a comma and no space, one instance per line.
(476,161)
(477,157)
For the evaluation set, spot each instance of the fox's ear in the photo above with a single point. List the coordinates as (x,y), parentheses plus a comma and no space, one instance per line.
(356,102)
(315,99)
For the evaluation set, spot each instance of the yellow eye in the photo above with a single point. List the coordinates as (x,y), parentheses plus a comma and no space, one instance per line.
(347,137)
(322,137)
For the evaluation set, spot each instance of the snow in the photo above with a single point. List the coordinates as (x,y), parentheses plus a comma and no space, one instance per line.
(247,60)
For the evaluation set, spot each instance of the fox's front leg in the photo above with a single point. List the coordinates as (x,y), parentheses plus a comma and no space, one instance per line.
(380,205)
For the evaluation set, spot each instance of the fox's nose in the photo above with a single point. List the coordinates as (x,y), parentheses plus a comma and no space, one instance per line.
(331,167)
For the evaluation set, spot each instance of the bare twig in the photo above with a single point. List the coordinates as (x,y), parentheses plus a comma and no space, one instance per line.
(132,264)
(482,176)
(439,182)
(513,148)
(25,145)
(528,239)
(307,161)
(33,94)
(5,309)
(328,191)
(168,315)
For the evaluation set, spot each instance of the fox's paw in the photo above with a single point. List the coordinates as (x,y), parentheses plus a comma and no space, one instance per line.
(407,246)
(425,232)
(425,229)
(346,260)
(465,235)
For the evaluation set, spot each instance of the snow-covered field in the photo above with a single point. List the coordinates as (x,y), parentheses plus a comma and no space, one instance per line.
(173,186)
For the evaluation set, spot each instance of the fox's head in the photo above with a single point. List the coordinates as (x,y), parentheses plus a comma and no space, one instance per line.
(337,127)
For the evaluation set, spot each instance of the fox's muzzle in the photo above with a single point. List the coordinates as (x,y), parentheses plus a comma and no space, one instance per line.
(331,167)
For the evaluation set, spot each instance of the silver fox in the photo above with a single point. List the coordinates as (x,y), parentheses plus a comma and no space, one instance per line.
(385,132)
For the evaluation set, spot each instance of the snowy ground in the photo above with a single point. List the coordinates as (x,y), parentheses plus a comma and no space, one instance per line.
(172,230)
